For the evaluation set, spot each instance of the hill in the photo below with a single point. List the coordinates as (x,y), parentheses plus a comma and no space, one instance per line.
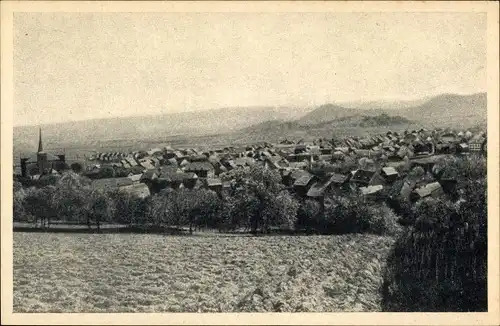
(439,111)
(327,113)
(389,105)
(160,128)
(450,110)
(247,124)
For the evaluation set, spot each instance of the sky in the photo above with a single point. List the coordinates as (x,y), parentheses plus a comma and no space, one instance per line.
(77,66)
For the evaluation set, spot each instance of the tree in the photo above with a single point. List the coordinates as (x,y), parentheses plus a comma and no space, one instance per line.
(100,208)
(39,204)
(76,167)
(70,196)
(257,199)
(308,215)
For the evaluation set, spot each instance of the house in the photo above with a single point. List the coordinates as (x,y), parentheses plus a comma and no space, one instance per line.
(146,163)
(390,174)
(401,189)
(139,190)
(275,162)
(303,183)
(319,188)
(463,148)
(42,162)
(372,192)
(338,156)
(448,137)
(176,180)
(214,184)
(445,148)
(433,189)
(365,178)
(149,177)
(201,169)
(426,163)
(131,161)
(448,179)
(477,144)
(109,184)
(362,153)
(155,151)
(325,158)
(335,183)
(300,149)
(136,178)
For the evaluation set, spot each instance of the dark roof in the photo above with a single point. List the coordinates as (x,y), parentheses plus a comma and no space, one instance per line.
(149,174)
(449,174)
(177,176)
(318,188)
(199,166)
(338,178)
(363,176)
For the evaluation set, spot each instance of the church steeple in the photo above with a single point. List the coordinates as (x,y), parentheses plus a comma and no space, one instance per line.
(40,147)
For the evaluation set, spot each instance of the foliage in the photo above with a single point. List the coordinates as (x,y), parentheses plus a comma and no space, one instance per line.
(353,214)
(308,214)
(439,262)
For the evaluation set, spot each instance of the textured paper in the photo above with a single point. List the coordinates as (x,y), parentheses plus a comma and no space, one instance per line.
(7,107)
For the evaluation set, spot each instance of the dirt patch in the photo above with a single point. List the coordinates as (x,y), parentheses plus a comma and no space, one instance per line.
(154,273)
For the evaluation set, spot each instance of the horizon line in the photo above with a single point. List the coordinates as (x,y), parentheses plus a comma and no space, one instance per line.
(338,103)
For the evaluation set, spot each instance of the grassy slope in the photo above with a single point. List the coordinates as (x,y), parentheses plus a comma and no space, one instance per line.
(150,273)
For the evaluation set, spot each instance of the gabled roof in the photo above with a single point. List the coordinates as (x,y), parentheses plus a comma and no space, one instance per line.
(177,176)
(318,188)
(303,180)
(370,190)
(199,166)
(149,175)
(214,182)
(363,176)
(389,170)
(338,178)
(138,190)
(428,189)
(135,177)
(111,183)
(297,173)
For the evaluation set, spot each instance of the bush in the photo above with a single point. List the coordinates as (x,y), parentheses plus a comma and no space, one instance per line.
(439,264)
(308,215)
(355,214)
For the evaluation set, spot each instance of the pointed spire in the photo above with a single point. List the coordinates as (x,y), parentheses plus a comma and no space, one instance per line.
(40,147)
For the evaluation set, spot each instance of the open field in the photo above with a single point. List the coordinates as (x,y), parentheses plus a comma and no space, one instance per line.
(216,273)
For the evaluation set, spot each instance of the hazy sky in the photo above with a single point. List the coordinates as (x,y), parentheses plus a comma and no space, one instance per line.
(96,65)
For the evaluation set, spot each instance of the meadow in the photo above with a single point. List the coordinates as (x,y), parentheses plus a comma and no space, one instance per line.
(199,273)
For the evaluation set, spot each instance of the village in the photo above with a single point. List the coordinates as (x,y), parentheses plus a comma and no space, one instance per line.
(375,165)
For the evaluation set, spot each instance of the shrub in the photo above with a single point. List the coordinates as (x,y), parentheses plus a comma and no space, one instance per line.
(308,215)
(439,264)
(355,214)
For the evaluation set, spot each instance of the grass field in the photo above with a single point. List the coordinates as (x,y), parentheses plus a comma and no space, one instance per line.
(155,273)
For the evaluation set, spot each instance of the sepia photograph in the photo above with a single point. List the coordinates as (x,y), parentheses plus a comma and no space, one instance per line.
(250,161)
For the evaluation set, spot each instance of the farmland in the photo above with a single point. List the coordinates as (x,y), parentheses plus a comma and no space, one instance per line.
(199,273)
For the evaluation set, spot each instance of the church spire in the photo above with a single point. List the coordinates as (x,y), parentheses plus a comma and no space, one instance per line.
(40,147)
